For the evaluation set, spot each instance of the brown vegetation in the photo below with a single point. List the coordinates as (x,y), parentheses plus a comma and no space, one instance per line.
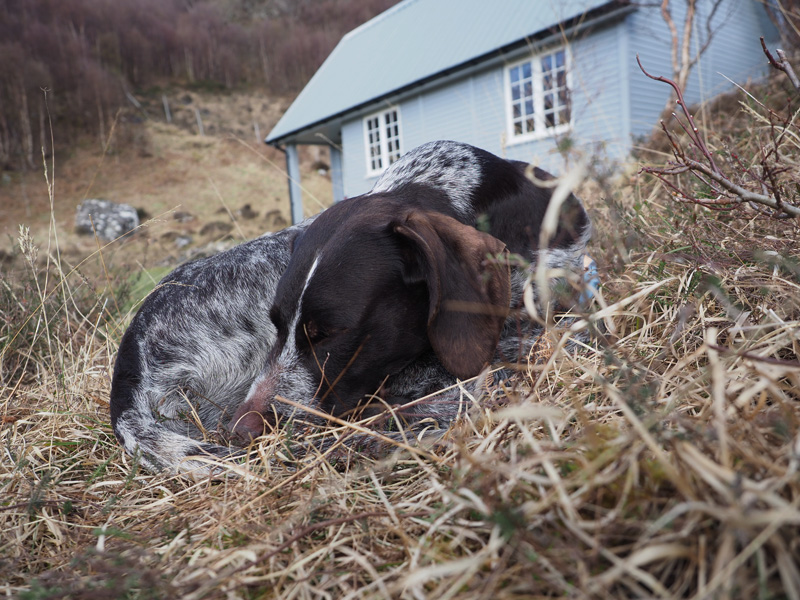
(164,170)
(90,54)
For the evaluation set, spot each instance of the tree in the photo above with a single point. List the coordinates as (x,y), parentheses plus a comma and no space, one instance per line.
(688,44)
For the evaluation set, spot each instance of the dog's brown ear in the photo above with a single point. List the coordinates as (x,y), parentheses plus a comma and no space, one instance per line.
(469,292)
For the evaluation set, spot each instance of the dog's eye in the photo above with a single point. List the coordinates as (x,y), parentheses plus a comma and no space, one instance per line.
(313,332)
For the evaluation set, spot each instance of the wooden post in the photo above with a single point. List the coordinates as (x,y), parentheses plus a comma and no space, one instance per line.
(199,121)
(295,192)
(167,113)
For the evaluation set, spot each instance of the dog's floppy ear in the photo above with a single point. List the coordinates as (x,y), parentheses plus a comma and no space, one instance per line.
(469,295)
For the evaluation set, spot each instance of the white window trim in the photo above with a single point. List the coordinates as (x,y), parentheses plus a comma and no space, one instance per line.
(540,130)
(384,150)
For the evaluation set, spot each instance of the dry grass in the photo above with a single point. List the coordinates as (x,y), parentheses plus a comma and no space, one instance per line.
(165,169)
(660,462)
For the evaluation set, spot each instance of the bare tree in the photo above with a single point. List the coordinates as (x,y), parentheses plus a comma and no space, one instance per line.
(687,45)
(785,14)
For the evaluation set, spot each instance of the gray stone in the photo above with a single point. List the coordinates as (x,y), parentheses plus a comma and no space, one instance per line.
(111,220)
(182,241)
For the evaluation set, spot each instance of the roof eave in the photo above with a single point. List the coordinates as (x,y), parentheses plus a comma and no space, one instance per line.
(613,9)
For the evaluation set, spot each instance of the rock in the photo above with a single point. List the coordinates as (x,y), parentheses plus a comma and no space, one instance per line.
(216,228)
(178,239)
(111,220)
(275,220)
(321,167)
(182,241)
(182,216)
(246,212)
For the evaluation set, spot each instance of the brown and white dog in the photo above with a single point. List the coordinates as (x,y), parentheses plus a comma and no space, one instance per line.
(393,294)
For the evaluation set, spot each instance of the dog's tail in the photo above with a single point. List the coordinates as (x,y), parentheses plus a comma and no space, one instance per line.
(158,448)
(157,441)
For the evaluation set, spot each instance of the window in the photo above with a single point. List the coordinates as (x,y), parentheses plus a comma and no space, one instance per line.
(382,137)
(538,96)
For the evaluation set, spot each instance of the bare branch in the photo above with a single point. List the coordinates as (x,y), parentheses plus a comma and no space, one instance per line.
(781,65)
(693,131)
(770,178)
(743,194)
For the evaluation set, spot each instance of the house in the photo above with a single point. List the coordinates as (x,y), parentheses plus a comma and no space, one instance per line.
(520,78)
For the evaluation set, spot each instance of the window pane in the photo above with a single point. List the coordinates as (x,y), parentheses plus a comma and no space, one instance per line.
(516,111)
(517,128)
(528,89)
(561,79)
(514,74)
(383,139)
(548,101)
(547,82)
(528,107)
(560,58)
(529,125)
(526,70)
(549,120)
(547,63)
(515,92)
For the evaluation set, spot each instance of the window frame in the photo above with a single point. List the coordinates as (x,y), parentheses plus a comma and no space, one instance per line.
(541,131)
(382,141)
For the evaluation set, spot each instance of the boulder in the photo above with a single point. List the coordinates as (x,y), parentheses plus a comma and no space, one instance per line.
(111,220)
(246,212)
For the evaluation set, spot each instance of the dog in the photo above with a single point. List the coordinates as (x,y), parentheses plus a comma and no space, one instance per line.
(380,299)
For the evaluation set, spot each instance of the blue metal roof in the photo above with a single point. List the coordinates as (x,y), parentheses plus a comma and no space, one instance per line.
(414,41)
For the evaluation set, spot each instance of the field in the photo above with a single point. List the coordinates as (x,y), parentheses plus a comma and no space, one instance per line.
(659,460)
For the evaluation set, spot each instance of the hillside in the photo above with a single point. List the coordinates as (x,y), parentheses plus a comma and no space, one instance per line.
(166,170)
(647,447)
(90,55)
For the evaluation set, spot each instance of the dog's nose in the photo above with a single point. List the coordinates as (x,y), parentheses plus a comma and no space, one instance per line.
(248,426)
(248,421)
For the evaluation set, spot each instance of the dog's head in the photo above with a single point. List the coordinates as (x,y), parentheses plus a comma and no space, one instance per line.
(374,283)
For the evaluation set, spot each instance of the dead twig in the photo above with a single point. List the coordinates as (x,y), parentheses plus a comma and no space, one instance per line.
(781,64)
(729,191)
